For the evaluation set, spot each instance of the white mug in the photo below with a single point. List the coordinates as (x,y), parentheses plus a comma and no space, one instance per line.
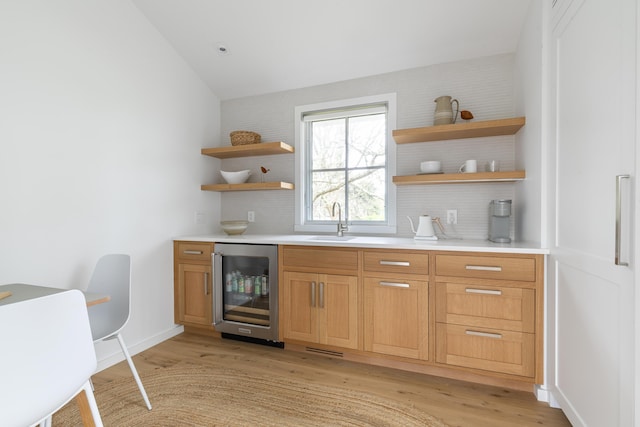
(470,166)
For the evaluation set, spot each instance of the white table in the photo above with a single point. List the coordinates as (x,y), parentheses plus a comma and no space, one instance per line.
(22,291)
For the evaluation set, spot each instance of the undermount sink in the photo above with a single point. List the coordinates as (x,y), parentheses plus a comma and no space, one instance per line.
(332,238)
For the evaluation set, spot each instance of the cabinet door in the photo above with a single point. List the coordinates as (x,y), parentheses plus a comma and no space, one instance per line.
(338,310)
(594,111)
(396,317)
(300,298)
(487,349)
(195,302)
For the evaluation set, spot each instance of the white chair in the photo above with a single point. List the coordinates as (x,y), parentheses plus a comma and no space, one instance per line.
(47,358)
(112,276)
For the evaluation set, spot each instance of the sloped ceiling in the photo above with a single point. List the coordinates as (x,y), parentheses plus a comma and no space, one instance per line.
(277,45)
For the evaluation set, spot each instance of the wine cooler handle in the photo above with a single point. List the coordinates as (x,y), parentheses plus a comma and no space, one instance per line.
(321,294)
(619,179)
(216,264)
(313,294)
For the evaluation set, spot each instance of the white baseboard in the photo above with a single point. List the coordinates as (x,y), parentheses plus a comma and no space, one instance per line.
(116,356)
(545,394)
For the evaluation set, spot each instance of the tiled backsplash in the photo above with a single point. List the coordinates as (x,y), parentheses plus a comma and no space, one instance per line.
(483,86)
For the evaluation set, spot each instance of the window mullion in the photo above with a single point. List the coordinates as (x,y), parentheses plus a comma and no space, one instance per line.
(346,167)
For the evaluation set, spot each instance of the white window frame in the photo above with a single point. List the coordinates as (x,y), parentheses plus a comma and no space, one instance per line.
(301,164)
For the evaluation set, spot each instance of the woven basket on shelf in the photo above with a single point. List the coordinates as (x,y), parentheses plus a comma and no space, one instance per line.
(244,137)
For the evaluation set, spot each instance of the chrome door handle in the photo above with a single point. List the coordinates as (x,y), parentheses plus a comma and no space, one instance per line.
(395,285)
(483,291)
(218,288)
(483,268)
(313,294)
(321,294)
(206,283)
(619,179)
(400,263)
(483,334)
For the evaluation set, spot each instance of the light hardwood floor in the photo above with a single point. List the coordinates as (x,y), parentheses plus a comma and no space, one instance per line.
(455,402)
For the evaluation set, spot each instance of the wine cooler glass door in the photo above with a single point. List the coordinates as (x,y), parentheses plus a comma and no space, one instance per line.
(245,299)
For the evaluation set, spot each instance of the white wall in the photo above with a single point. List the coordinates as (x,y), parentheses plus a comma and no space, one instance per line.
(101,125)
(482,85)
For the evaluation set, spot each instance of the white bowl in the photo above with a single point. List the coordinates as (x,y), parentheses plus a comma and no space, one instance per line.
(430,166)
(236,177)
(234,227)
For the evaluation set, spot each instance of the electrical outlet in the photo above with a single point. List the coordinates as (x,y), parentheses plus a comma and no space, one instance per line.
(452,216)
(251,216)
(199,217)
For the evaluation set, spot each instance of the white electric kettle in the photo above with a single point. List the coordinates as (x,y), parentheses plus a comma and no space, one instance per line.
(425,228)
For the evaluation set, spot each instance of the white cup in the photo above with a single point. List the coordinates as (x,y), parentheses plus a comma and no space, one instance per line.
(470,166)
(492,166)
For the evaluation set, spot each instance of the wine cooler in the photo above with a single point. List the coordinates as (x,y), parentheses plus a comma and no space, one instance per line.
(245,299)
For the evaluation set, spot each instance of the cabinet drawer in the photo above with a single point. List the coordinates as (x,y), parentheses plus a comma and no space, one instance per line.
(396,262)
(323,258)
(493,307)
(487,349)
(487,267)
(193,251)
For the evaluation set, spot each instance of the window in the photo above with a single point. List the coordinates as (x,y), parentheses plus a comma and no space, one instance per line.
(345,154)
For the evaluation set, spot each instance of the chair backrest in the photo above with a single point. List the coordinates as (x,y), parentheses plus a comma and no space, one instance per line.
(111,276)
(46,355)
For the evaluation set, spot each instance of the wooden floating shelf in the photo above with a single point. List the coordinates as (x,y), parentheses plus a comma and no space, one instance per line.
(261,149)
(459,178)
(459,131)
(249,186)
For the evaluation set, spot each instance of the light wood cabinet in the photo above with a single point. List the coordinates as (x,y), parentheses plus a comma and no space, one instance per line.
(396,303)
(489,313)
(319,296)
(475,316)
(193,284)
(322,308)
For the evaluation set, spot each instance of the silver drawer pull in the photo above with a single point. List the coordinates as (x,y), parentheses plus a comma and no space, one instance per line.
(400,263)
(483,334)
(192,252)
(483,268)
(483,291)
(395,285)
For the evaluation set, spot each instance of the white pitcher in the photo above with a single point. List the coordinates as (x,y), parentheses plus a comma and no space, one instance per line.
(444,111)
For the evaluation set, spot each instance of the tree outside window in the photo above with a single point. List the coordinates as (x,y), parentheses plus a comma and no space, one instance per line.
(345,154)
(348,161)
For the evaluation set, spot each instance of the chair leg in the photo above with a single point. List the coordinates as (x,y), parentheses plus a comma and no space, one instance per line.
(87,402)
(133,370)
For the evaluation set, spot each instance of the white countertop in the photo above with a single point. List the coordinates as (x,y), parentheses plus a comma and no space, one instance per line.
(356,241)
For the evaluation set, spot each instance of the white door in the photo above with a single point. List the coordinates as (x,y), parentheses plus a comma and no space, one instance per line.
(593,81)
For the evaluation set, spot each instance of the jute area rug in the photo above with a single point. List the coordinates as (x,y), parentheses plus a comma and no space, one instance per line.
(185,395)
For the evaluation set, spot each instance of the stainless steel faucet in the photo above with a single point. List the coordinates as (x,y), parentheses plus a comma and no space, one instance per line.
(341,227)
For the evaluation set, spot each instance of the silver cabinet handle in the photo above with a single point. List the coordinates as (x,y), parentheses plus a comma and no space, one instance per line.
(483,334)
(192,252)
(206,283)
(218,288)
(619,179)
(483,268)
(321,294)
(313,294)
(483,291)
(395,285)
(400,263)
